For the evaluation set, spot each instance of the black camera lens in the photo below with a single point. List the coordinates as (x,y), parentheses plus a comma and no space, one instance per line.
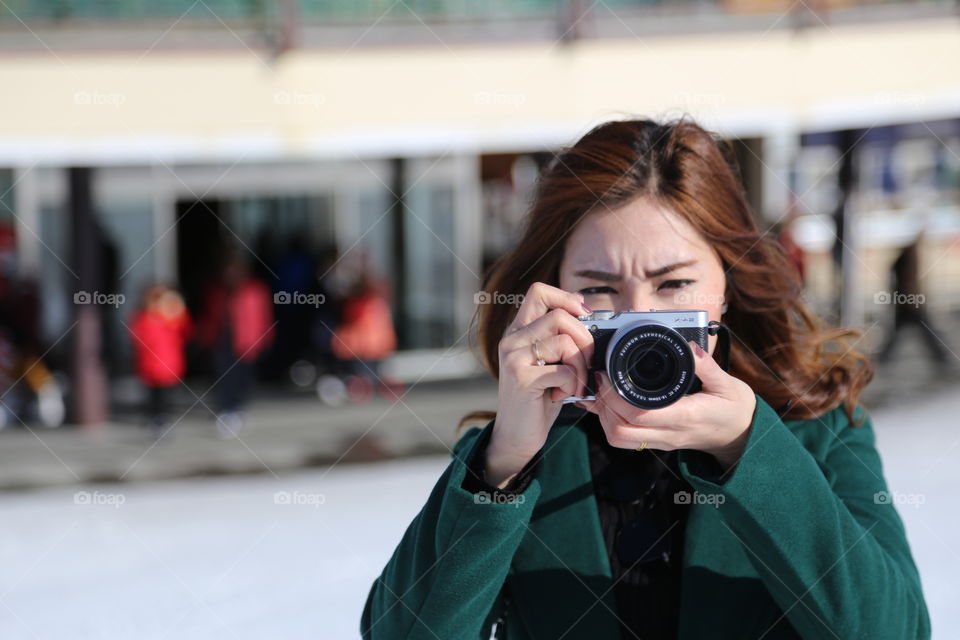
(651,367)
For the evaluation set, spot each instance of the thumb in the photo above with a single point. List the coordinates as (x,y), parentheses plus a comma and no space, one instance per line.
(709,371)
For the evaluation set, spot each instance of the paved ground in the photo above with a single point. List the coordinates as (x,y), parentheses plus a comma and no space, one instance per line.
(293,556)
(289,431)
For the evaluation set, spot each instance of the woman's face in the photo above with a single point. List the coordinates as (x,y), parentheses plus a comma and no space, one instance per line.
(642,257)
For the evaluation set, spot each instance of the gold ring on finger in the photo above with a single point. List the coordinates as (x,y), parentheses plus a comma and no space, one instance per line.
(643,445)
(537,354)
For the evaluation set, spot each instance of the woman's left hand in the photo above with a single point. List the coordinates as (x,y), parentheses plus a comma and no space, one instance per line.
(715,420)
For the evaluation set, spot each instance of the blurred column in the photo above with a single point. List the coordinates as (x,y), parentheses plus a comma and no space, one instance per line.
(779,154)
(468,238)
(88,374)
(848,247)
(398,188)
(164,208)
(27,207)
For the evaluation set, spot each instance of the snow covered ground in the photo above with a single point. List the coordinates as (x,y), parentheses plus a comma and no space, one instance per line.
(294,556)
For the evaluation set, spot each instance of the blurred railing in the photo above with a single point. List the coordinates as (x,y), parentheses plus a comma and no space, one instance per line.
(396,10)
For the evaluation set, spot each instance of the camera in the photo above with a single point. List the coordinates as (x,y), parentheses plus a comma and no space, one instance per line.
(645,353)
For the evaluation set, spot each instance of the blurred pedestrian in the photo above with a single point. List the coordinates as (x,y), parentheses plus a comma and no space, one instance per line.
(160,331)
(909,307)
(237,326)
(366,336)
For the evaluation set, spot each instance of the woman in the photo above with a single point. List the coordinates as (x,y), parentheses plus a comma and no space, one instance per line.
(752,509)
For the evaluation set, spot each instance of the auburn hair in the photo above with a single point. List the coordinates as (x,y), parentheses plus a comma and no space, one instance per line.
(779,347)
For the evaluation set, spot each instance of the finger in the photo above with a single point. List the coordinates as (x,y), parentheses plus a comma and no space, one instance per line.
(562,349)
(541,298)
(555,322)
(561,376)
(670,416)
(589,405)
(624,435)
(711,374)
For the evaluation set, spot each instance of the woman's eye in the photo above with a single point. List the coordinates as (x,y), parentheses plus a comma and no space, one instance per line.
(593,290)
(674,284)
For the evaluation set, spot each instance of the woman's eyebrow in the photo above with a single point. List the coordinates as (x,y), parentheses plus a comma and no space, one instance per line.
(668,268)
(606,276)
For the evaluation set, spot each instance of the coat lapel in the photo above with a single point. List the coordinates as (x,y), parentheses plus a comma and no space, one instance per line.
(561,580)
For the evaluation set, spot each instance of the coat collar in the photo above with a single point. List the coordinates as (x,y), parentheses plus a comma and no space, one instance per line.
(561,579)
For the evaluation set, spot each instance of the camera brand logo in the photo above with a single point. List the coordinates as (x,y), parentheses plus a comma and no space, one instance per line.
(495,297)
(298,297)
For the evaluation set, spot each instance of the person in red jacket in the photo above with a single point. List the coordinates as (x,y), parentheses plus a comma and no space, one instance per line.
(160,330)
(237,326)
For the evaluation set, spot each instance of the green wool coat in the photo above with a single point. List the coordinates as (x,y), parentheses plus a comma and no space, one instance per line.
(804,543)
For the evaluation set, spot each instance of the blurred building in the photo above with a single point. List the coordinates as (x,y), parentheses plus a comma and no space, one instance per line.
(413,130)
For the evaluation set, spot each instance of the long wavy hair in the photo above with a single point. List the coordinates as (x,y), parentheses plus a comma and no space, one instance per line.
(779,347)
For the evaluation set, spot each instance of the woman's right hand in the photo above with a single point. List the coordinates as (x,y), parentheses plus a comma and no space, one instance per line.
(530,395)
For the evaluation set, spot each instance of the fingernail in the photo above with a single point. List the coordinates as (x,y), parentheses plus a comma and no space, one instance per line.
(697,349)
(585,307)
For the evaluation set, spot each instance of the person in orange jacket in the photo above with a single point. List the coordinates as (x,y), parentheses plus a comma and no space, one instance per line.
(366,335)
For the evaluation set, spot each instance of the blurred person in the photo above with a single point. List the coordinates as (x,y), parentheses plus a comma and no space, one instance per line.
(787,237)
(29,391)
(295,274)
(160,330)
(365,336)
(236,326)
(909,308)
(755,506)
(329,385)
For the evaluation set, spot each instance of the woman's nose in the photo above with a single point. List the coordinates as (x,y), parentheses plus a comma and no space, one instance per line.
(636,300)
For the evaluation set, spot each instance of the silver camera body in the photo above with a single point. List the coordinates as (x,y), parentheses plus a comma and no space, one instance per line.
(645,353)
